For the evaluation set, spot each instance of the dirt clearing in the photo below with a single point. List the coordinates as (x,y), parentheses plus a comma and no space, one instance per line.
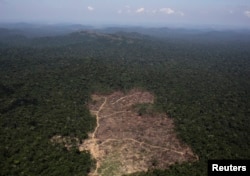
(124,141)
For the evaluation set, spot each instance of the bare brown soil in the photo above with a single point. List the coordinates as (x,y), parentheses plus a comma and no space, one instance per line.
(67,141)
(124,142)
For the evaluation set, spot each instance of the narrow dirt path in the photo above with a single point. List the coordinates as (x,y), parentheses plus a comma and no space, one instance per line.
(142,143)
(97,117)
(118,112)
(95,149)
(125,97)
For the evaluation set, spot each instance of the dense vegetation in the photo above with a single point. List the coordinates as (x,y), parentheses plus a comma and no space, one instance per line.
(46,82)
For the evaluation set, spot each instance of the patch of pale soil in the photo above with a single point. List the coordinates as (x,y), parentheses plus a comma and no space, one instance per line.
(124,142)
(67,141)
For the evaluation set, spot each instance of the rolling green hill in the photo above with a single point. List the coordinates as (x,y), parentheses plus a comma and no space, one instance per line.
(203,83)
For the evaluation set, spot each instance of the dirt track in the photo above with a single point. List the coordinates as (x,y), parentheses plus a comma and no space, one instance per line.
(124,142)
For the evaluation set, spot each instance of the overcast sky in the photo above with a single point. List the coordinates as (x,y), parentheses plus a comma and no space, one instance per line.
(128,12)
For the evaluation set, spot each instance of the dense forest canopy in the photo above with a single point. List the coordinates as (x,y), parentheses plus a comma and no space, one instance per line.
(200,79)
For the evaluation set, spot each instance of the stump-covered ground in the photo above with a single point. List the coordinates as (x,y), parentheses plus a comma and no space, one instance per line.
(125,141)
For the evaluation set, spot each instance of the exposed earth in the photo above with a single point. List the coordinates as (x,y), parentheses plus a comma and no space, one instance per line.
(125,141)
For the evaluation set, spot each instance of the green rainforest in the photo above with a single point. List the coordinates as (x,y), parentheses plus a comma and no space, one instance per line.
(201,79)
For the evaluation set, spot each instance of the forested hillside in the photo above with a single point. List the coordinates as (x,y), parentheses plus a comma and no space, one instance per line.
(202,82)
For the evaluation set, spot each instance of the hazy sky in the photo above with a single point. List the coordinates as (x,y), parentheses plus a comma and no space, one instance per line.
(128,12)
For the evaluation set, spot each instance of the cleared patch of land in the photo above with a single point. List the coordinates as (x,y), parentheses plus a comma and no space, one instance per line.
(125,141)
